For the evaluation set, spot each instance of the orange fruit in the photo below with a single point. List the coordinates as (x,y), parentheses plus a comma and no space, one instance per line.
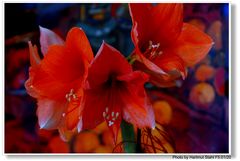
(163,112)
(103,149)
(57,145)
(204,72)
(202,95)
(86,141)
(108,139)
(101,128)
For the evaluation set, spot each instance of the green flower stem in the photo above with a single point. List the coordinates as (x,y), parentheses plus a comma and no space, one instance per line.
(131,59)
(129,143)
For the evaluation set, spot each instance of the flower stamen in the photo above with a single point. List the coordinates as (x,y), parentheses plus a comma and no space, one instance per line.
(74,100)
(71,95)
(110,117)
(153,50)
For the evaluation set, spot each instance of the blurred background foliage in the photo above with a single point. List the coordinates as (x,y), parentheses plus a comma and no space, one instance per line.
(192,117)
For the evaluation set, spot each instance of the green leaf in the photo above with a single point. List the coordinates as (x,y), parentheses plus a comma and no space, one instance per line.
(129,143)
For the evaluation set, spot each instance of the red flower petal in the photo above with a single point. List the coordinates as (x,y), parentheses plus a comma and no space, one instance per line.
(63,65)
(157,19)
(161,80)
(107,61)
(60,69)
(48,38)
(136,76)
(137,110)
(192,45)
(77,42)
(108,95)
(95,102)
(140,13)
(167,21)
(47,86)
(50,113)
(163,70)
(73,112)
(169,81)
(170,62)
(65,134)
(149,64)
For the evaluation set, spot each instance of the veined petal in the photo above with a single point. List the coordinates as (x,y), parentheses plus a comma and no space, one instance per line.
(73,113)
(77,42)
(160,80)
(140,13)
(48,38)
(169,81)
(95,102)
(108,61)
(149,64)
(136,76)
(64,133)
(192,45)
(150,22)
(50,113)
(137,109)
(47,86)
(170,62)
(63,65)
(166,23)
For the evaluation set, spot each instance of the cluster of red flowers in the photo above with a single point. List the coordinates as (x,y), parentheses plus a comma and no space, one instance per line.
(77,91)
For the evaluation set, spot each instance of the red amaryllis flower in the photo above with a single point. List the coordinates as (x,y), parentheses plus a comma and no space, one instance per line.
(164,45)
(57,80)
(115,92)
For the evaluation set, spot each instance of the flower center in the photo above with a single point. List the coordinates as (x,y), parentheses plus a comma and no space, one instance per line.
(74,100)
(110,117)
(153,50)
(71,96)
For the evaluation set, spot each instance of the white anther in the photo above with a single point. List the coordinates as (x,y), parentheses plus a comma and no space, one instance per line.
(110,123)
(70,95)
(151,45)
(117,114)
(155,46)
(104,114)
(112,114)
(64,114)
(106,109)
(74,96)
(31,86)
